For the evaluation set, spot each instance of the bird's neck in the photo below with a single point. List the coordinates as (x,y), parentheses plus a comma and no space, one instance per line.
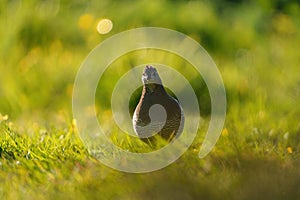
(153,87)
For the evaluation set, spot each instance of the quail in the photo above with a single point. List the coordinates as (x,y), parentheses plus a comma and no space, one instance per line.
(157,112)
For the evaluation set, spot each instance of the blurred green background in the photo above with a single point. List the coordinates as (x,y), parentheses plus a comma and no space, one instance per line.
(255,44)
(43,43)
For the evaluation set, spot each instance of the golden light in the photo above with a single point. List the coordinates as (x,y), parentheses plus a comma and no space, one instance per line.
(290,150)
(85,21)
(3,117)
(225,132)
(104,26)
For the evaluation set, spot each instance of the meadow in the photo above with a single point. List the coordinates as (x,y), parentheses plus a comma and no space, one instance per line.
(255,45)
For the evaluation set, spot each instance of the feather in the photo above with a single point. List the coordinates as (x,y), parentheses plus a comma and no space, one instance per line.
(157,112)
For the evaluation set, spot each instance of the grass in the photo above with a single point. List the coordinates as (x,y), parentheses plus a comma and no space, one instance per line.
(55,164)
(255,46)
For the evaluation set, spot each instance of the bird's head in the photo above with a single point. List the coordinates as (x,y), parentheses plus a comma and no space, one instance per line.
(150,76)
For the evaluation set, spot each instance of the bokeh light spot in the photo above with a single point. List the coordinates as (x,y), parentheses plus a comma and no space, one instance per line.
(85,21)
(104,26)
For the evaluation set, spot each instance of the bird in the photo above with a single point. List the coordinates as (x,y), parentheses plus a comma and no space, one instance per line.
(157,112)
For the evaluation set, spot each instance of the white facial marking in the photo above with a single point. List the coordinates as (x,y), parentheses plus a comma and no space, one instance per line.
(150,75)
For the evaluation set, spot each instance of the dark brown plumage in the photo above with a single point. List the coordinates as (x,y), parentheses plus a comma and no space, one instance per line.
(166,117)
